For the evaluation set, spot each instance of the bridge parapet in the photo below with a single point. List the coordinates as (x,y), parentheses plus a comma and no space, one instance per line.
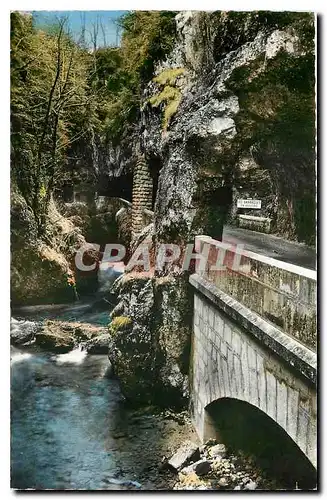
(239,349)
(282,293)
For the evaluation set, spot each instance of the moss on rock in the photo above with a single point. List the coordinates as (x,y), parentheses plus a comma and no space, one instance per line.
(119,323)
(170,94)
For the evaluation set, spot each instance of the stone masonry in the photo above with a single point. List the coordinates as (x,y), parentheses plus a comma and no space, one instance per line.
(142,194)
(280,292)
(237,354)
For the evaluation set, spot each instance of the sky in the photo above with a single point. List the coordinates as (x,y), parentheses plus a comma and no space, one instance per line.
(106,36)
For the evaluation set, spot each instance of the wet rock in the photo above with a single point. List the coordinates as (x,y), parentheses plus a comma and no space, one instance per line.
(251,485)
(55,342)
(201,468)
(219,450)
(22,332)
(187,453)
(109,371)
(61,336)
(98,345)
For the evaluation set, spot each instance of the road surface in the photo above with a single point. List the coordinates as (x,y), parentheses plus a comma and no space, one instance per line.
(271,246)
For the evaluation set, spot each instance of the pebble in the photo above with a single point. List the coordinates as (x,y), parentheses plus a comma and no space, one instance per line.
(251,485)
(223,482)
(227,472)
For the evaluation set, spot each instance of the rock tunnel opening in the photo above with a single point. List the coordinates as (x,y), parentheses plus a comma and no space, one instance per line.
(213,203)
(116,187)
(243,427)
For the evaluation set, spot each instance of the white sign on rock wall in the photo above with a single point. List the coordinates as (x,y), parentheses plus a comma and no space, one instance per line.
(248,203)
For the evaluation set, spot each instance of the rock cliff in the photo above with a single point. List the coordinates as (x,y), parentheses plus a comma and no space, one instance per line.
(244,122)
(229,113)
(43,269)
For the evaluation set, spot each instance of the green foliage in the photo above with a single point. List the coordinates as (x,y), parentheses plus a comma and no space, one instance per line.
(170,95)
(48,90)
(63,96)
(147,37)
(119,73)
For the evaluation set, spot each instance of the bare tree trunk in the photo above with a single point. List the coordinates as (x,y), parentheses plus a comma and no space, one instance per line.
(37,208)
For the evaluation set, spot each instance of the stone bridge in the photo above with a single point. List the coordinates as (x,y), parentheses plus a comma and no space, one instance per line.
(254,340)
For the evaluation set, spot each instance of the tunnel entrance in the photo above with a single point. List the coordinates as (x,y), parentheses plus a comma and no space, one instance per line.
(116,187)
(243,427)
(213,201)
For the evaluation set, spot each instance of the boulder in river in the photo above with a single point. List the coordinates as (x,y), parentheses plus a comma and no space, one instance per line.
(55,342)
(99,344)
(187,453)
(61,336)
(22,332)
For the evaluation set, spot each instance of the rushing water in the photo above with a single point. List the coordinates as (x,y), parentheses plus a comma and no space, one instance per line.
(71,429)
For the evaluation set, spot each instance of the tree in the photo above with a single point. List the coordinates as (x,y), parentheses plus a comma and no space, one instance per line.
(48,83)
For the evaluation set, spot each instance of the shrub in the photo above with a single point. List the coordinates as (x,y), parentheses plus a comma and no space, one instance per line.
(169,76)
(170,95)
(119,323)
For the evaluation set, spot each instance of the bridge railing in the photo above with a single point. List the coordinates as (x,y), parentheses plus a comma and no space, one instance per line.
(282,293)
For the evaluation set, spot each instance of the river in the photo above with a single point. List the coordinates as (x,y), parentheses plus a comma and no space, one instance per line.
(72,429)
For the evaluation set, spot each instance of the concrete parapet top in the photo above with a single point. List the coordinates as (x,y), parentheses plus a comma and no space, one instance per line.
(297,355)
(253,217)
(286,266)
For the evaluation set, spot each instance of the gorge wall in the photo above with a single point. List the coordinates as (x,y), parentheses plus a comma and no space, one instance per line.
(227,112)
(230,112)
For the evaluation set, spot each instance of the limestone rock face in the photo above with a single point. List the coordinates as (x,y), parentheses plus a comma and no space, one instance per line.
(131,350)
(150,342)
(239,123)
(244,125)
(39,270)
(96,219)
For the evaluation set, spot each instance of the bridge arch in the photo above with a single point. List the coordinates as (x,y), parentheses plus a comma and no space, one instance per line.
(235,355)
(243,426)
